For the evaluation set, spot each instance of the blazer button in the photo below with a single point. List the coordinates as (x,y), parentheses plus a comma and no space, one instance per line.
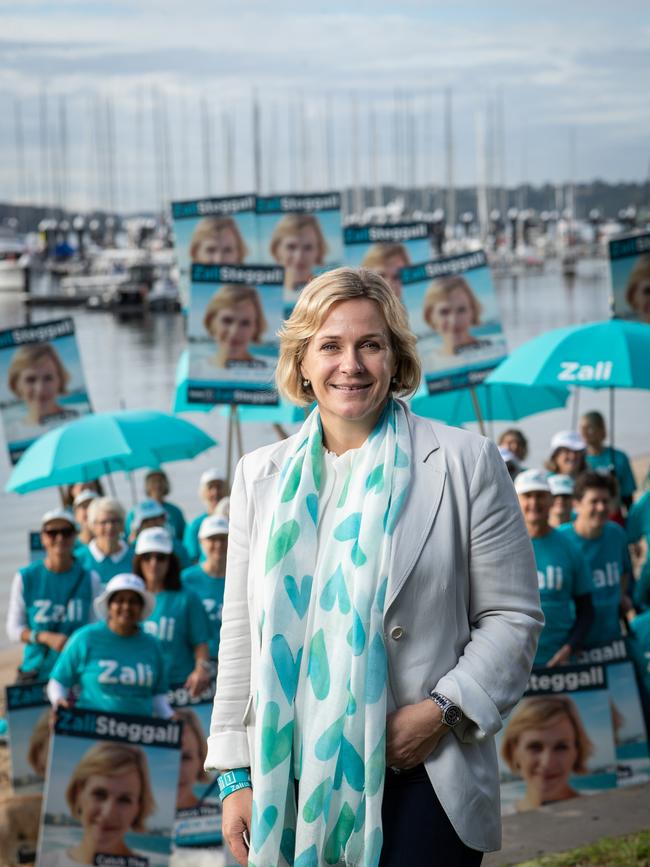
(396,633)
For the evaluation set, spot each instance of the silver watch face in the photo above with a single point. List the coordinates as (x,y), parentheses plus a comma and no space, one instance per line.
(452,716)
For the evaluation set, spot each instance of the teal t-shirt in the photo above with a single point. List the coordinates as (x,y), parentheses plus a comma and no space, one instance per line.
(616,462)
(116,674)
(210,592)
(608,560)
(191,538)
(184,558)
(638,527)
(54,602)
(108,567)
(179,622)
(639,647)
(562,574)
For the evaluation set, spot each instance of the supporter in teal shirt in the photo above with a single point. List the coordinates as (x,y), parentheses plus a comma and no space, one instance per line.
(638,527)
(212,488)
(207,580)
(50,598)
(157,487)
(107,554)
(117,666)
(178,620)
(604,546)
(151,513)
(563,576)
(607,458)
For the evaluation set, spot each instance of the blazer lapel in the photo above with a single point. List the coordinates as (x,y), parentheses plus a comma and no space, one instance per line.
(420,509)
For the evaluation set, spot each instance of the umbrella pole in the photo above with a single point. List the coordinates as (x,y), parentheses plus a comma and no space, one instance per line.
(611,424)
(134,493)
(477,410)
(111,484)
(280,431)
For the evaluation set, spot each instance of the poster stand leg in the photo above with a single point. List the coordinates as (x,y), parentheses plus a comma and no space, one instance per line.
(477,410)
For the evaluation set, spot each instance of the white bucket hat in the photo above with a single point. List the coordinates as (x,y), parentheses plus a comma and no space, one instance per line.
(213,525)
(124,581)
(146,510)
(154,539)
(58,515)
(568,439)
(84,496)
(561,485)
(531,480)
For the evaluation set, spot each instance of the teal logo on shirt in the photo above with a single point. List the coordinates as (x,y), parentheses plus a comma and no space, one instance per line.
(47,611)
(113,673)
(163,629)
(551,579)
(607,577)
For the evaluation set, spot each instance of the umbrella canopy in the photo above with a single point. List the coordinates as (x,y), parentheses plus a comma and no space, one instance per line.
(497,402)
(610,354)
(102,443)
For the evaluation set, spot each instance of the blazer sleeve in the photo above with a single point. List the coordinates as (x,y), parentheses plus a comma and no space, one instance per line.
(504,607)
(227,742)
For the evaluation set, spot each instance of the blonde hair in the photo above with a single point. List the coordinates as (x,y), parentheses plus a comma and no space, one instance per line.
(641,271)
(28,355)
(292,223)
(104,504)
(191,721)
(210,226)
(111,760)
(235,293)
(541,712)
(379,254)
(314,304)
(441,289)
(39,743)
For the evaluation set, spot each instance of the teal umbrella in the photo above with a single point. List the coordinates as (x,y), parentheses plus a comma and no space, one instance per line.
(103,443)
(497,402)
(610,354)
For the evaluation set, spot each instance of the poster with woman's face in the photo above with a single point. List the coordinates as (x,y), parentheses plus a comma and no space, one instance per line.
(558,742)
(28,716)
(453,311)
(234,317)
(216,231)
(302,234)
(386,250)
(111,790)
(629,266)
(42,382)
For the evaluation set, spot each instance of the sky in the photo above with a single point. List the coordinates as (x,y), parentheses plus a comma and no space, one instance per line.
(134,102)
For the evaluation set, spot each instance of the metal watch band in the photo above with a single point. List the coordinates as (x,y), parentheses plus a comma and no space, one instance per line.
(451,713)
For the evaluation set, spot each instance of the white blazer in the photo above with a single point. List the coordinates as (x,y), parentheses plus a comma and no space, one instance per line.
(462,611)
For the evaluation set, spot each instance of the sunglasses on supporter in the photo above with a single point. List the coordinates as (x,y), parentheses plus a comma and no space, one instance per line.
(155,555)
(65,532)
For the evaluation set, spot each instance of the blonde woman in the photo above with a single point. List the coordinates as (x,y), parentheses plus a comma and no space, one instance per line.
(637,293)
(452,309)
(298,244)
(38,377)
(109,794)
(378,575)
(193,754)
(107,554)
(217,241)
(545,742)
(387,260)
(234,319)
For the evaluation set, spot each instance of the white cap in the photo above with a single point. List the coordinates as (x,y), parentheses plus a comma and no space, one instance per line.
(125,581)
(208,476)
(531,480)
(148,509)
(561,485)
(568,439)
(84,496)
(58,515)
(154,539)
(213,525)
(508,456)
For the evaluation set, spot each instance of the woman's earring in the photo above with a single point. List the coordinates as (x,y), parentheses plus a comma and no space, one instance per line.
(306,383)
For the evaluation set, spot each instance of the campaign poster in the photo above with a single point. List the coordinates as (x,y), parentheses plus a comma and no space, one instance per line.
(386,250)
(234,317)
(453,311)
(41,382)
(629,265)
(630,735)
(558,742)
(198,807)
(28,718)
(216,231)
(110,796)
(301,233)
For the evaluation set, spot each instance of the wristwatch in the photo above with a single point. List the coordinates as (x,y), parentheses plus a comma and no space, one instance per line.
(451,713)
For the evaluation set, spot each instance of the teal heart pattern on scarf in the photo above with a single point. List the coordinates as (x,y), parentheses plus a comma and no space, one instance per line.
(323,665)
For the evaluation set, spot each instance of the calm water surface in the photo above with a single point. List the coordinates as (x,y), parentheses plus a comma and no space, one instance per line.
(132,365)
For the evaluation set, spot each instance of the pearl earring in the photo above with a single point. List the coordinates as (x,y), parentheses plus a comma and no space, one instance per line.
(306,383)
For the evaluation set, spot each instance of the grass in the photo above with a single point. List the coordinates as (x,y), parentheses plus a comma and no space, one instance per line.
(630,851)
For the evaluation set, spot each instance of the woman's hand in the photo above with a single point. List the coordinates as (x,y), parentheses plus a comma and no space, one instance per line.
(412,734)
(236,818)
(562,656)
(198,680)
(54,640)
